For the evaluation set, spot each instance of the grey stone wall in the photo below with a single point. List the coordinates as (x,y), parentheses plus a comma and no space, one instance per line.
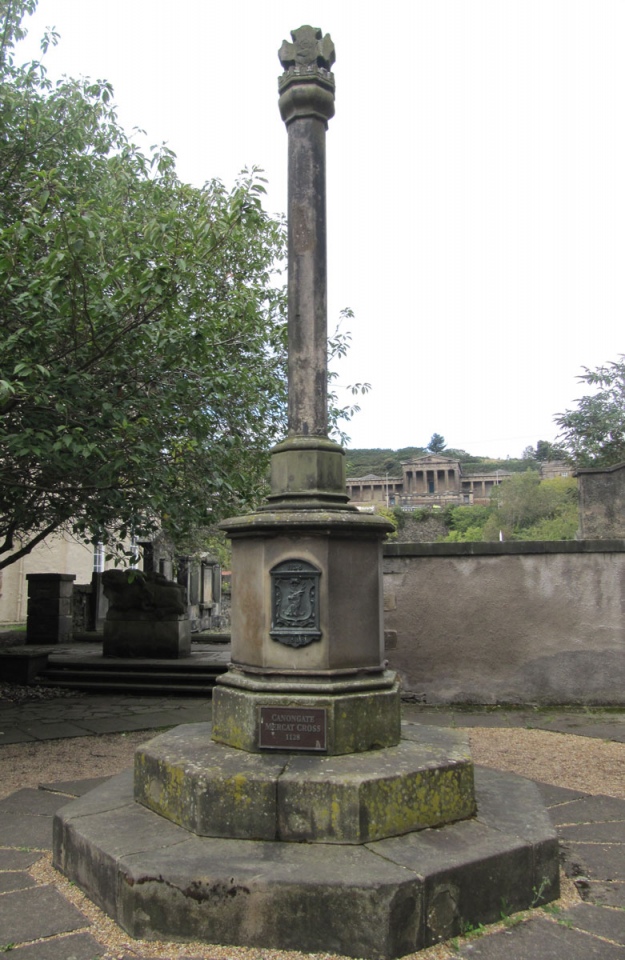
(507,622)
(602,502)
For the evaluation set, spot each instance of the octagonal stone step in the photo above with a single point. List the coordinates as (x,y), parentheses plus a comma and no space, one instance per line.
(379,901)
(214,790)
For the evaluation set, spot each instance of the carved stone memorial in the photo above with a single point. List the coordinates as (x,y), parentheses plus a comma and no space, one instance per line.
(146,617)
(306,816)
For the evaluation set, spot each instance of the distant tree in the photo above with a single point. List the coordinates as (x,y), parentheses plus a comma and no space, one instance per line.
(466,523)
(437,443)
(549,451)
(594,433)
(528,454)
(462,455)
(526,508)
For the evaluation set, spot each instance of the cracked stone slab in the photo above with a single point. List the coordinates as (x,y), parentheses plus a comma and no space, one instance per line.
(73,788)
(306,897)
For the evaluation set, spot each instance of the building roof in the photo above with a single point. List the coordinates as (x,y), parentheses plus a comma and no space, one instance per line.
(430,458)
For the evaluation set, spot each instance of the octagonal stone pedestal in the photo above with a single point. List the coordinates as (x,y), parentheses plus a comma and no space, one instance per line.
(379,899)
(217,791)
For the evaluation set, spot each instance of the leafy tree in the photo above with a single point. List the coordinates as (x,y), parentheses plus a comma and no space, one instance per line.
(526,508)
(518,499)
(141,331)
(466,523)
(594,432)
(549,451)
(436,444)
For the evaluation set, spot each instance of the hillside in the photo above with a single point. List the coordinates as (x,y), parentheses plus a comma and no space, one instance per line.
(381,461)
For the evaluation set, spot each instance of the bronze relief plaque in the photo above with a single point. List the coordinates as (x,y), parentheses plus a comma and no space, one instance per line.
(292,728)
(295,603)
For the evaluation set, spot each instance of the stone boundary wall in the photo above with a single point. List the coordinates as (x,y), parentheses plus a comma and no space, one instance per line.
(519,622)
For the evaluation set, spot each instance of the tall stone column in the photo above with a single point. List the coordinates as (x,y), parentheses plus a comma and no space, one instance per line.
(307,467)
(306,104)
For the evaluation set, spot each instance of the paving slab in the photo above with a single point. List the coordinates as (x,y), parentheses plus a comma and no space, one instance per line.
(36,803)
(38,912)
(605,893)
(597,861)
(600,921)
(11,859)
(607,831)
(76,946)
(527,818)
(590,809)
(598,731)
(553,796)
(56,730)
(541,940)
(73,788)
(19,830)
(100,725)
(15,880)
(15,735)
(445,718)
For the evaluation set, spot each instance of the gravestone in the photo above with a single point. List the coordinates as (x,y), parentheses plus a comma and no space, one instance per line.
(49,616)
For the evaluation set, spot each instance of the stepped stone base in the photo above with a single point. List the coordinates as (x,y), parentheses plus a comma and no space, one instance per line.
(217,791)
(379,899)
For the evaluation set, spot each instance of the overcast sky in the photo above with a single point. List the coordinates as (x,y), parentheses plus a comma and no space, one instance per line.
(476,182)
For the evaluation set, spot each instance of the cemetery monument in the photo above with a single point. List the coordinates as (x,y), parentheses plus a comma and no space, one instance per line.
(307,816)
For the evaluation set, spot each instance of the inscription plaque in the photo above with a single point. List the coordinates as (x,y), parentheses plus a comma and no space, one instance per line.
(292,728)
(295,603)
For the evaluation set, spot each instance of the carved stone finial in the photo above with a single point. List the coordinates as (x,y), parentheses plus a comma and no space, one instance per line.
(309,47)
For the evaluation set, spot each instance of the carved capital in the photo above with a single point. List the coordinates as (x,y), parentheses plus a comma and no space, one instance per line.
(309,48)
(307,63)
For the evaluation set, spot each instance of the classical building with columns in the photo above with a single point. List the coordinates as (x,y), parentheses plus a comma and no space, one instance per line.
(431,480)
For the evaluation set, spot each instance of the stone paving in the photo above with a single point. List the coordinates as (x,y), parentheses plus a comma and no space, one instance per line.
(85,716)
(42,925)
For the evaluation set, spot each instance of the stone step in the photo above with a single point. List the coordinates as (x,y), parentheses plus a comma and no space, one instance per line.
(78,667)
(131,685)
(128,676)
(105,667)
